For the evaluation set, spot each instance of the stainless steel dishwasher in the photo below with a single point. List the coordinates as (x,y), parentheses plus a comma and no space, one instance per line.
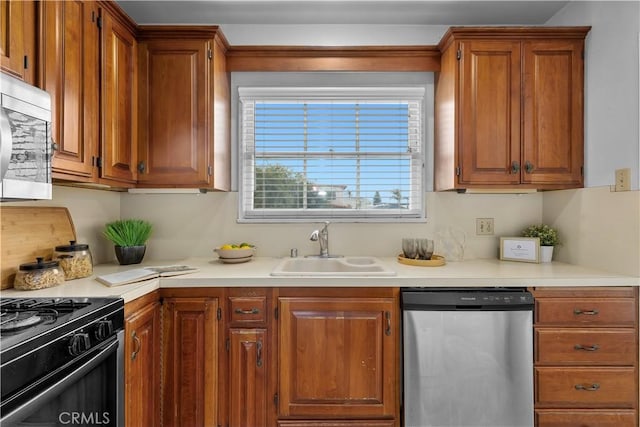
(468,357)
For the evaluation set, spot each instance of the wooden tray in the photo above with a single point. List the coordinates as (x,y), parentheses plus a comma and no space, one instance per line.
(435,261)
(29,232)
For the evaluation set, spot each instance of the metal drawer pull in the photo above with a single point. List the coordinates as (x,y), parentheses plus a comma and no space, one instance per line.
(577,311)
(586,347)
(252,311)
(592,387)
(138,346)
(259,354)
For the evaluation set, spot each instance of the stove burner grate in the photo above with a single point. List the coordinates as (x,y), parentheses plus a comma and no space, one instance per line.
(13,322)
(19,314)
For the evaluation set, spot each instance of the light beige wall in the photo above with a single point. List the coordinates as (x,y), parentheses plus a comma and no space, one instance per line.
(90,210)
(599,228)
(193,224)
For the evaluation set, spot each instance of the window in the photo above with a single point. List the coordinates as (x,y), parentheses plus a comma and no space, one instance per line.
(331,153)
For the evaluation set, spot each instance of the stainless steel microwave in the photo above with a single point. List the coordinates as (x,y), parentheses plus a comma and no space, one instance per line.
(25,141)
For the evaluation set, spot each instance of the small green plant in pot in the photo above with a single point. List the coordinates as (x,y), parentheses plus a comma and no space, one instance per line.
(548,239)
(129,237)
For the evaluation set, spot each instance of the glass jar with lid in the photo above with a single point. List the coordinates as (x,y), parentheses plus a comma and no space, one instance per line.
(38,275)
(75,260)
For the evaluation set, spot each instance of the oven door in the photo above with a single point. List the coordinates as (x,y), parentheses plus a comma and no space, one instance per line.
(87,391)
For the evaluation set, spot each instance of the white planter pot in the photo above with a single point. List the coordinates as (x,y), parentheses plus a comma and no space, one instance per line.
(546,253)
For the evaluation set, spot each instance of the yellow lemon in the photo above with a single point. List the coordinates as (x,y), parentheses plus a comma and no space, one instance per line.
(225,247)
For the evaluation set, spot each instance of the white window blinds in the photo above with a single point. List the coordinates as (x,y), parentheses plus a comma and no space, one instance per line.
(331,153)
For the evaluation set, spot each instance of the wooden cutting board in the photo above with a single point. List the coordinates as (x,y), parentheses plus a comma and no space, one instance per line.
(29,232)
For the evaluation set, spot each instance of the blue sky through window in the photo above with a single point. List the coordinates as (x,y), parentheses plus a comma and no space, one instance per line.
(361,146)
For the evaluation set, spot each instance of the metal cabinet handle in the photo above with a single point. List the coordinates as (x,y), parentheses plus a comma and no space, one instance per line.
(141,166)
(586,347)
(252,311)
(592,387)
(578,312)
(387,330)
(528,166)
(138,345)
(259,354)
(515,167)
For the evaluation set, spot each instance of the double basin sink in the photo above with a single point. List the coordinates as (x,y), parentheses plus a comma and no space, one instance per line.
(323,267)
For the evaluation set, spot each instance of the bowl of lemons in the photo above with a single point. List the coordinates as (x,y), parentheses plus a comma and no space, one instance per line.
(231,253)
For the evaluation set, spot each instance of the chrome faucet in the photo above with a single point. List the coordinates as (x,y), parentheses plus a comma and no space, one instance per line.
(322,237)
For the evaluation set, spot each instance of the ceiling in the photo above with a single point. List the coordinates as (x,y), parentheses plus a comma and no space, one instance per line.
(400,12)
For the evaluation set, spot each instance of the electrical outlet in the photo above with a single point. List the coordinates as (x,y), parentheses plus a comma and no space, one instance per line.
(484,226)
(623,179)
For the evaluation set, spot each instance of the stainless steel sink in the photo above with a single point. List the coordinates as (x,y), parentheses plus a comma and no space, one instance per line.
(347,266)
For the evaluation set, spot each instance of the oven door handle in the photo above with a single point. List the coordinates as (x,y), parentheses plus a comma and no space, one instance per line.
(25,409)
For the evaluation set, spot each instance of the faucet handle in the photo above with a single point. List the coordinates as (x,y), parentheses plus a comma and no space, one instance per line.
(315,234)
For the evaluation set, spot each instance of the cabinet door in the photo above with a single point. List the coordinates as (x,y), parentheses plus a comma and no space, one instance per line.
(119,150)
(337,357)
(248,395)
(70,61)
(17,38)
(489,125)
(142,367)
(553,112)
(190,362)
(174,112)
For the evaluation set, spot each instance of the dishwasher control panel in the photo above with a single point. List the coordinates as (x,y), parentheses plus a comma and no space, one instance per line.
(466,299)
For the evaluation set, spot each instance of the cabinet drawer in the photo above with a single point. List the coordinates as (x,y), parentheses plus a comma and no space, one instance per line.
(247,309)
(586,311)
(585,418)
(586,346)
(577,387)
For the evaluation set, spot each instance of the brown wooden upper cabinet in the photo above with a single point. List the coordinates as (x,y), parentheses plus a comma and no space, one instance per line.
(18,39)
(87,60)
(509,108)
(184,108)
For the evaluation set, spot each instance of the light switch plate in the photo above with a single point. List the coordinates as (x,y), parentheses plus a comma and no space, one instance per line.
(484,226)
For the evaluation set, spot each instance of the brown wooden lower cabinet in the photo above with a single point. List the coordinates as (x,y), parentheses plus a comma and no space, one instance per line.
(586,356)
(190,360)
(142,362)
(338,358)
(330,357)
(290,357)
(248,364)
(585,418)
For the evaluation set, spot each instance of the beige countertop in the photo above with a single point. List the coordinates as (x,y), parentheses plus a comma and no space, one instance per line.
(212,273)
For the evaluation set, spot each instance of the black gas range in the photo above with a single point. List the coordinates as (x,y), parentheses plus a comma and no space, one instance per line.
(51,349)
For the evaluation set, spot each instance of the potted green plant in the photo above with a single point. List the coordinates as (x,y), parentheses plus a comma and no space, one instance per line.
(129,237)
(548,239)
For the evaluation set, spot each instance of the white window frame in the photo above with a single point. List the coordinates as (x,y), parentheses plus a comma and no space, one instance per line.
(248,96)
